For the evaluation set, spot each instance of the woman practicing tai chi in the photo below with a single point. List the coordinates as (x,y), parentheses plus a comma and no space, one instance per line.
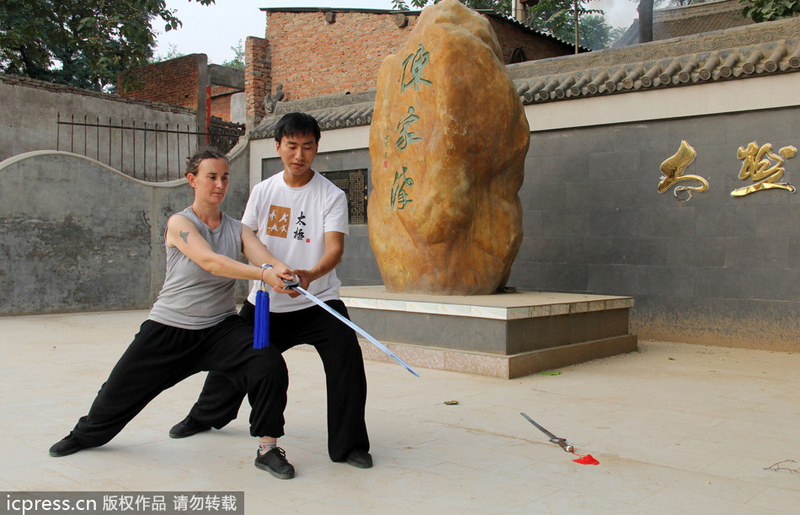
(194,326)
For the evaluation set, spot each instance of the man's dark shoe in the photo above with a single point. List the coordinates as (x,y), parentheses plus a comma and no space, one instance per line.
(360,459)
(66,446)
(275,463)
(186,427)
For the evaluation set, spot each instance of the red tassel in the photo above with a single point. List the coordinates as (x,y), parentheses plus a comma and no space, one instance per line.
(586,460)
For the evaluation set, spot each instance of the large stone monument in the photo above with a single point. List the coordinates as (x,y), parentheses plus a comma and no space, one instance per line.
(447,143)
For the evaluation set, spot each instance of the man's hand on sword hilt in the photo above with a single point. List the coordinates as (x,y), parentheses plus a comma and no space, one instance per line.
(291,285)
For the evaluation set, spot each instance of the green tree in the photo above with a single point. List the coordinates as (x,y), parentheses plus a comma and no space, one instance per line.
(615,35)
(554,17)
(500,6)
(82,43)
(593,32)
(769,10)
(237,62)
(557,18)
(172,53)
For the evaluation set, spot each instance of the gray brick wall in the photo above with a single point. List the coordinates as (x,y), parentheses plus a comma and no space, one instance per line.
(715,269)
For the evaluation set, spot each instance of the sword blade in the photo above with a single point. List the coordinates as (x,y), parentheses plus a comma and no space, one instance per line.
(540,428)
(561,442)
(355,328)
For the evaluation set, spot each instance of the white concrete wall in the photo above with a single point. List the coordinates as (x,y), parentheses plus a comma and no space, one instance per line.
(238,108)
(29,112)
(771,92)
(76,235)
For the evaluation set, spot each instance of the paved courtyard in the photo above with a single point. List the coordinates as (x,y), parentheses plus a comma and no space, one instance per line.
(676,428)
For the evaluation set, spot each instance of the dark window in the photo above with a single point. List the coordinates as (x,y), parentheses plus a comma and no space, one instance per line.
(517,56)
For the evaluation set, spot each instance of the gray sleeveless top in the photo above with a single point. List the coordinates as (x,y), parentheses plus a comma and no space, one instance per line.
(192,298)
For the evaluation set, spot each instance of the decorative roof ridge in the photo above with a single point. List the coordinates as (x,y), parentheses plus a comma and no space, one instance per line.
(714,66)
(737,37)
(325,101)
(329,116)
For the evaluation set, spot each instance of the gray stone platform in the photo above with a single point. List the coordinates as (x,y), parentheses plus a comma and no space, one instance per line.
(505,335)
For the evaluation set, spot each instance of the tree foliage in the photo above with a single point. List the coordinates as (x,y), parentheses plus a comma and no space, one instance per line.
(82,43)
(554,17)
(769,10)
(616,34)
(172,53)
(500,6)
(557,18)
(237,63)
(593,32)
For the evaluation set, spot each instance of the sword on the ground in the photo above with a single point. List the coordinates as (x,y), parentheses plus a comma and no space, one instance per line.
(553,438)
(295,285)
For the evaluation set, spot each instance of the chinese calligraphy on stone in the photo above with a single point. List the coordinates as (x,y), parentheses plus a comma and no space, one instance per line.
(417,61)
(399,194)
(406,136)
(413,66)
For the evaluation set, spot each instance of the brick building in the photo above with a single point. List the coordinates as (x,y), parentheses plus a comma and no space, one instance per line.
(313,52)
(171,82)
(188,81)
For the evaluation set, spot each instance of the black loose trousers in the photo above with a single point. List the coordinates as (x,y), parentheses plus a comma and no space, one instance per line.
(161,356)
(345,378)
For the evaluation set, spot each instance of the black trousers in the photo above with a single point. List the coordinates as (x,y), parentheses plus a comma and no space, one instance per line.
(161,356)
(345,378)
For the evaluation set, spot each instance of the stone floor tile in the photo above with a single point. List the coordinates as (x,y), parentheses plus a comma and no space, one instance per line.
(691,434)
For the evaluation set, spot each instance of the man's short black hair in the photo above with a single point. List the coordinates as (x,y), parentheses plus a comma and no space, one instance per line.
(297,124)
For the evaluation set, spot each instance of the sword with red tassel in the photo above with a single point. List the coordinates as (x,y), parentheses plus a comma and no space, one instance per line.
(562,442)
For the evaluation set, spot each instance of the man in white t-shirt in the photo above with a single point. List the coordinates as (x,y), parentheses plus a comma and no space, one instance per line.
(302,218)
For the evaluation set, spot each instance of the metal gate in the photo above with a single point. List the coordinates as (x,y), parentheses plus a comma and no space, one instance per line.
(150,152)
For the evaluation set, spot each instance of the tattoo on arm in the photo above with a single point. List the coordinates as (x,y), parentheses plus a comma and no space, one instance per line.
(184,236)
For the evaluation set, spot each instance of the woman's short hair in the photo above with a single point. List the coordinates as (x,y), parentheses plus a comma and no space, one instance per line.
(193,162)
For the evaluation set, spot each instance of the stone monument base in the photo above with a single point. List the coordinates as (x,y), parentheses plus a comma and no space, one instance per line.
(504,335)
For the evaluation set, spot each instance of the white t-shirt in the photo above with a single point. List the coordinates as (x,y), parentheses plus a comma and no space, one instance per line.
(292,223)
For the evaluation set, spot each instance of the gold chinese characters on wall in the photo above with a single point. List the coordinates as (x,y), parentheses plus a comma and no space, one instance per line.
(763,166)
(759,164)
(673,170)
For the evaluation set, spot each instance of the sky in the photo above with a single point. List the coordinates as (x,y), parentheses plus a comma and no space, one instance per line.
(216,29)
